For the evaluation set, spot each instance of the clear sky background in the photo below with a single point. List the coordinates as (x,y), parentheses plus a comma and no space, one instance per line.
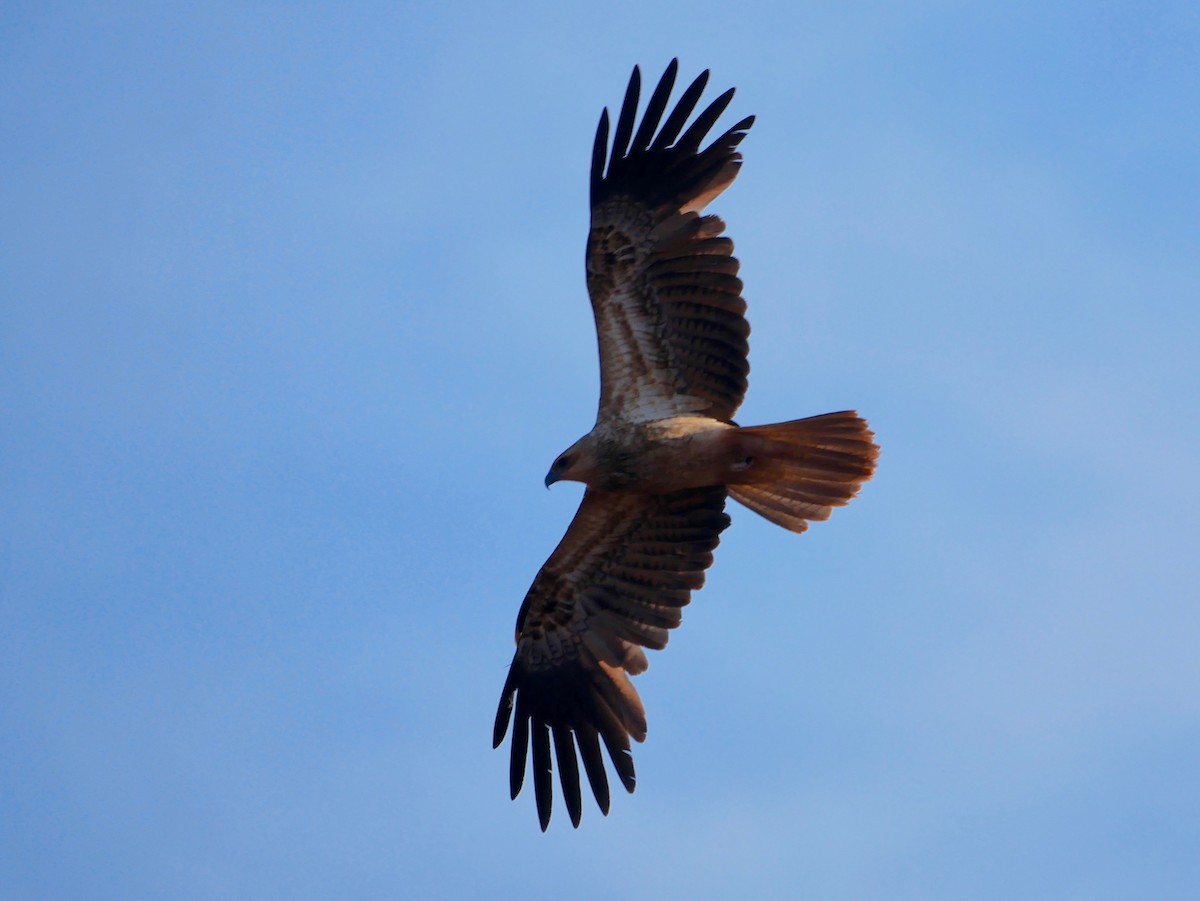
(293,322)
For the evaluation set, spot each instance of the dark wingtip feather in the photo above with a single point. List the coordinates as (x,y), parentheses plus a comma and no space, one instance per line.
(625,121)
(704,122)
(599,153)
(543,775)
(568,772)
(504,711)
(593,764)
(520,747)
(622,760)
(683,109)
(655,107)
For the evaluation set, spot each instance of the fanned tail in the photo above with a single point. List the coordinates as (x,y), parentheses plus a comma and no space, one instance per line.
(796,472)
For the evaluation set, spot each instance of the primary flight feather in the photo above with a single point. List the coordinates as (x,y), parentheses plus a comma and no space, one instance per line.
(664,452)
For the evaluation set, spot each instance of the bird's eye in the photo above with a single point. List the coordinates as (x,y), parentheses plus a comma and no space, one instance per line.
(563,462)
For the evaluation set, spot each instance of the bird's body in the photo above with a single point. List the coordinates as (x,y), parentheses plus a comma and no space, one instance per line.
(643,457)
(664,453)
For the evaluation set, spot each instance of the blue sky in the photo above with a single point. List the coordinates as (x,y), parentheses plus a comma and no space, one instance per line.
(292,322)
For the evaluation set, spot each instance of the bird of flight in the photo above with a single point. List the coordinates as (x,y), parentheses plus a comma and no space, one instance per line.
(664,453)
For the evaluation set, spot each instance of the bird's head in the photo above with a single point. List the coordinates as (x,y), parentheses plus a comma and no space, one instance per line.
(575,464)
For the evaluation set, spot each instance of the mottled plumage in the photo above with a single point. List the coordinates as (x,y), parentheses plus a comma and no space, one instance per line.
(664,453)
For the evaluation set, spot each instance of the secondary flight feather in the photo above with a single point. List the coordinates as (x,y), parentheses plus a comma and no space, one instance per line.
(664,453)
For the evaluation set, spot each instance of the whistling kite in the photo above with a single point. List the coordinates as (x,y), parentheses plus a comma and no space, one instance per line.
(664,452)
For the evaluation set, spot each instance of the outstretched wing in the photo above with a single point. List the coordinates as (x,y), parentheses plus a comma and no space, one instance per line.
(615,583)
(670,318)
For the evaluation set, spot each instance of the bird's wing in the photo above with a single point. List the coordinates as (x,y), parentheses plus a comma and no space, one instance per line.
(615,583)
(670,318)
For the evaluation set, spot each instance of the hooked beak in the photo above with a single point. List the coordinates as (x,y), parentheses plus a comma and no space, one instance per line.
(550,479)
